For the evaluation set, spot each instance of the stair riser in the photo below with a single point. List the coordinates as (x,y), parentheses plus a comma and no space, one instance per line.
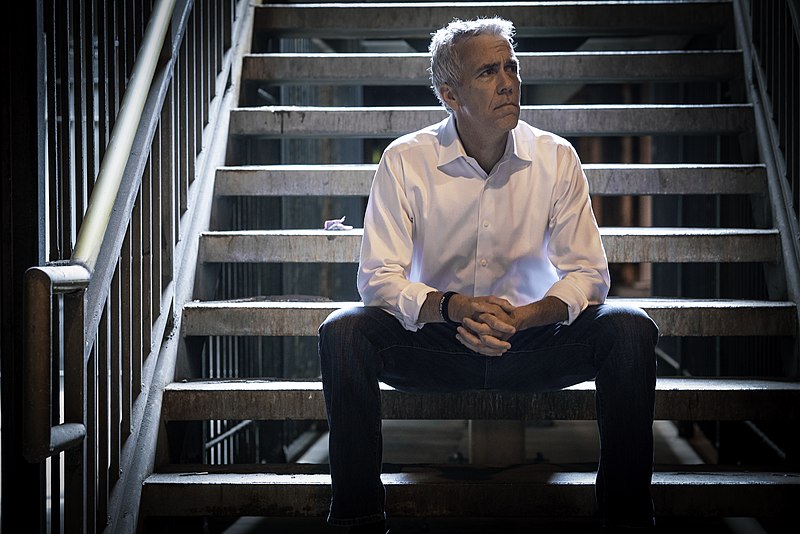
(249,319)
(332,247)
(345,180)
(186,404)
(403,20)
(411,69)
(417,495)
(566,120)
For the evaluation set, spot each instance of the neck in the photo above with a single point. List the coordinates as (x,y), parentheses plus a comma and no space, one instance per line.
(487,150)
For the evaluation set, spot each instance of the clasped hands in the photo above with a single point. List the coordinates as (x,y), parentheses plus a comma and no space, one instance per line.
(486,323)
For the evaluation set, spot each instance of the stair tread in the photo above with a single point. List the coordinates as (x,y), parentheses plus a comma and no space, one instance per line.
(622,245)
(302,474)
(604,179)
(679,399)
(652,303)
(392,121)
(604,230)
(458,491)
(539,67)
(530,19)
(686,384)
(472,472)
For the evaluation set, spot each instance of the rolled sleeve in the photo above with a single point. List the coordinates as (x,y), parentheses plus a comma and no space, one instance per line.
(410,303)
(570,295)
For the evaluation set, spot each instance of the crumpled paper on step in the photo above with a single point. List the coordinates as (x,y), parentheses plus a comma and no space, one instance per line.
(337,224)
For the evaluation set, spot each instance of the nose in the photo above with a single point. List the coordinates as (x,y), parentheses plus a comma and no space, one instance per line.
(506,83)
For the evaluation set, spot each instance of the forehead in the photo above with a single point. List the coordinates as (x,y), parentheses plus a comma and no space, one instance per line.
(483,47)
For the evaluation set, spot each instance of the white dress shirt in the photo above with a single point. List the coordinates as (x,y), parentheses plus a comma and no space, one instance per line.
(436,221)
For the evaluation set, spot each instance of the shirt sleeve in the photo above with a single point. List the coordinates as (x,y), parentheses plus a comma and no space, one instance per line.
(575,247)
(387,247)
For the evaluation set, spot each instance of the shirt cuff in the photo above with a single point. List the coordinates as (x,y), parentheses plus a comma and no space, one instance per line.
(410,303)
(570,295)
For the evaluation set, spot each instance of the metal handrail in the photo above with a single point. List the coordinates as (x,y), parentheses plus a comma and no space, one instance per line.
(41,438)
(109,177)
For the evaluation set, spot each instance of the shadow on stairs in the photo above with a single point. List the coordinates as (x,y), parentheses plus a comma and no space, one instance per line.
(550,442)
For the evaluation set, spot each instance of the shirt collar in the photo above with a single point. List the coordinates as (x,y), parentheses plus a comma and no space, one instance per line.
(451,148)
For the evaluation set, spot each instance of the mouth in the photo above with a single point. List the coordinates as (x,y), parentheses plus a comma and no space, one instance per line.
(507,104)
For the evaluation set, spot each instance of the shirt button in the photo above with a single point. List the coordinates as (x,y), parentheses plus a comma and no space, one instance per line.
(484,263)
(486,224)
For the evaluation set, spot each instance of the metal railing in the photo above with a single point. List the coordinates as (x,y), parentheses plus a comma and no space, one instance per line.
(768,32)
(130,89)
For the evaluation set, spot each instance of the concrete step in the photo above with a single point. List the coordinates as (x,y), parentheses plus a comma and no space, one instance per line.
(677,399)
(604,179)
(464,491)
(388,122)
(543,19)
(536,67)
(623,245)
(675,317)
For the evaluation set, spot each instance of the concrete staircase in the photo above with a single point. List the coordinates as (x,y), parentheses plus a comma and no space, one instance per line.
(653,46)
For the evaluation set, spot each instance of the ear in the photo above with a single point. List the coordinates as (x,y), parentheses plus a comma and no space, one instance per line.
(449,96)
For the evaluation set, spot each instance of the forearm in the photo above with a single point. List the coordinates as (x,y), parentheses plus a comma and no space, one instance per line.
(429,313)
(549,310)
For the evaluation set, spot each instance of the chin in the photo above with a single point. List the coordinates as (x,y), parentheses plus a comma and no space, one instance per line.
(508,123)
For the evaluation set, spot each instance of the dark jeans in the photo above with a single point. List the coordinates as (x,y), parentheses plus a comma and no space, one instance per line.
(609,343)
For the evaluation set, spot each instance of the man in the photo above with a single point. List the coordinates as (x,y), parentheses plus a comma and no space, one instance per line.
(482,267)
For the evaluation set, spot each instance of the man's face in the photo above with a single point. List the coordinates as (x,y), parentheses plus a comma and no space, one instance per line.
(487,98)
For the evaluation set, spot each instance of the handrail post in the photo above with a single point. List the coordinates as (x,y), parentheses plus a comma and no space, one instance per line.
(41,438)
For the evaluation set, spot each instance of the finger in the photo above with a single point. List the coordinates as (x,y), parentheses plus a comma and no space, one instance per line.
(479,348)
(471,337)
(498,324)
(492,310)
(476,342)
(476,327)
(483,343)
(494,343)
(479,328)
(505,305)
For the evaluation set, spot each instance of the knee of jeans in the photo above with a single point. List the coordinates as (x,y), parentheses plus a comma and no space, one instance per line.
(336,324)
(342,325)
(329,325)
(633,323)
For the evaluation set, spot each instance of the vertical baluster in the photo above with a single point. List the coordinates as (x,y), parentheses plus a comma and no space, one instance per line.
(104,41)
(146,259)
(65,226)
(128,388)
(191,90)
(89,34)
(135,303)
(79,112)
(790,116)
(103,348)
(75,379)
(208,61)
(53,126)
(120,418)
(139,314)
(56,463)
(166,209)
